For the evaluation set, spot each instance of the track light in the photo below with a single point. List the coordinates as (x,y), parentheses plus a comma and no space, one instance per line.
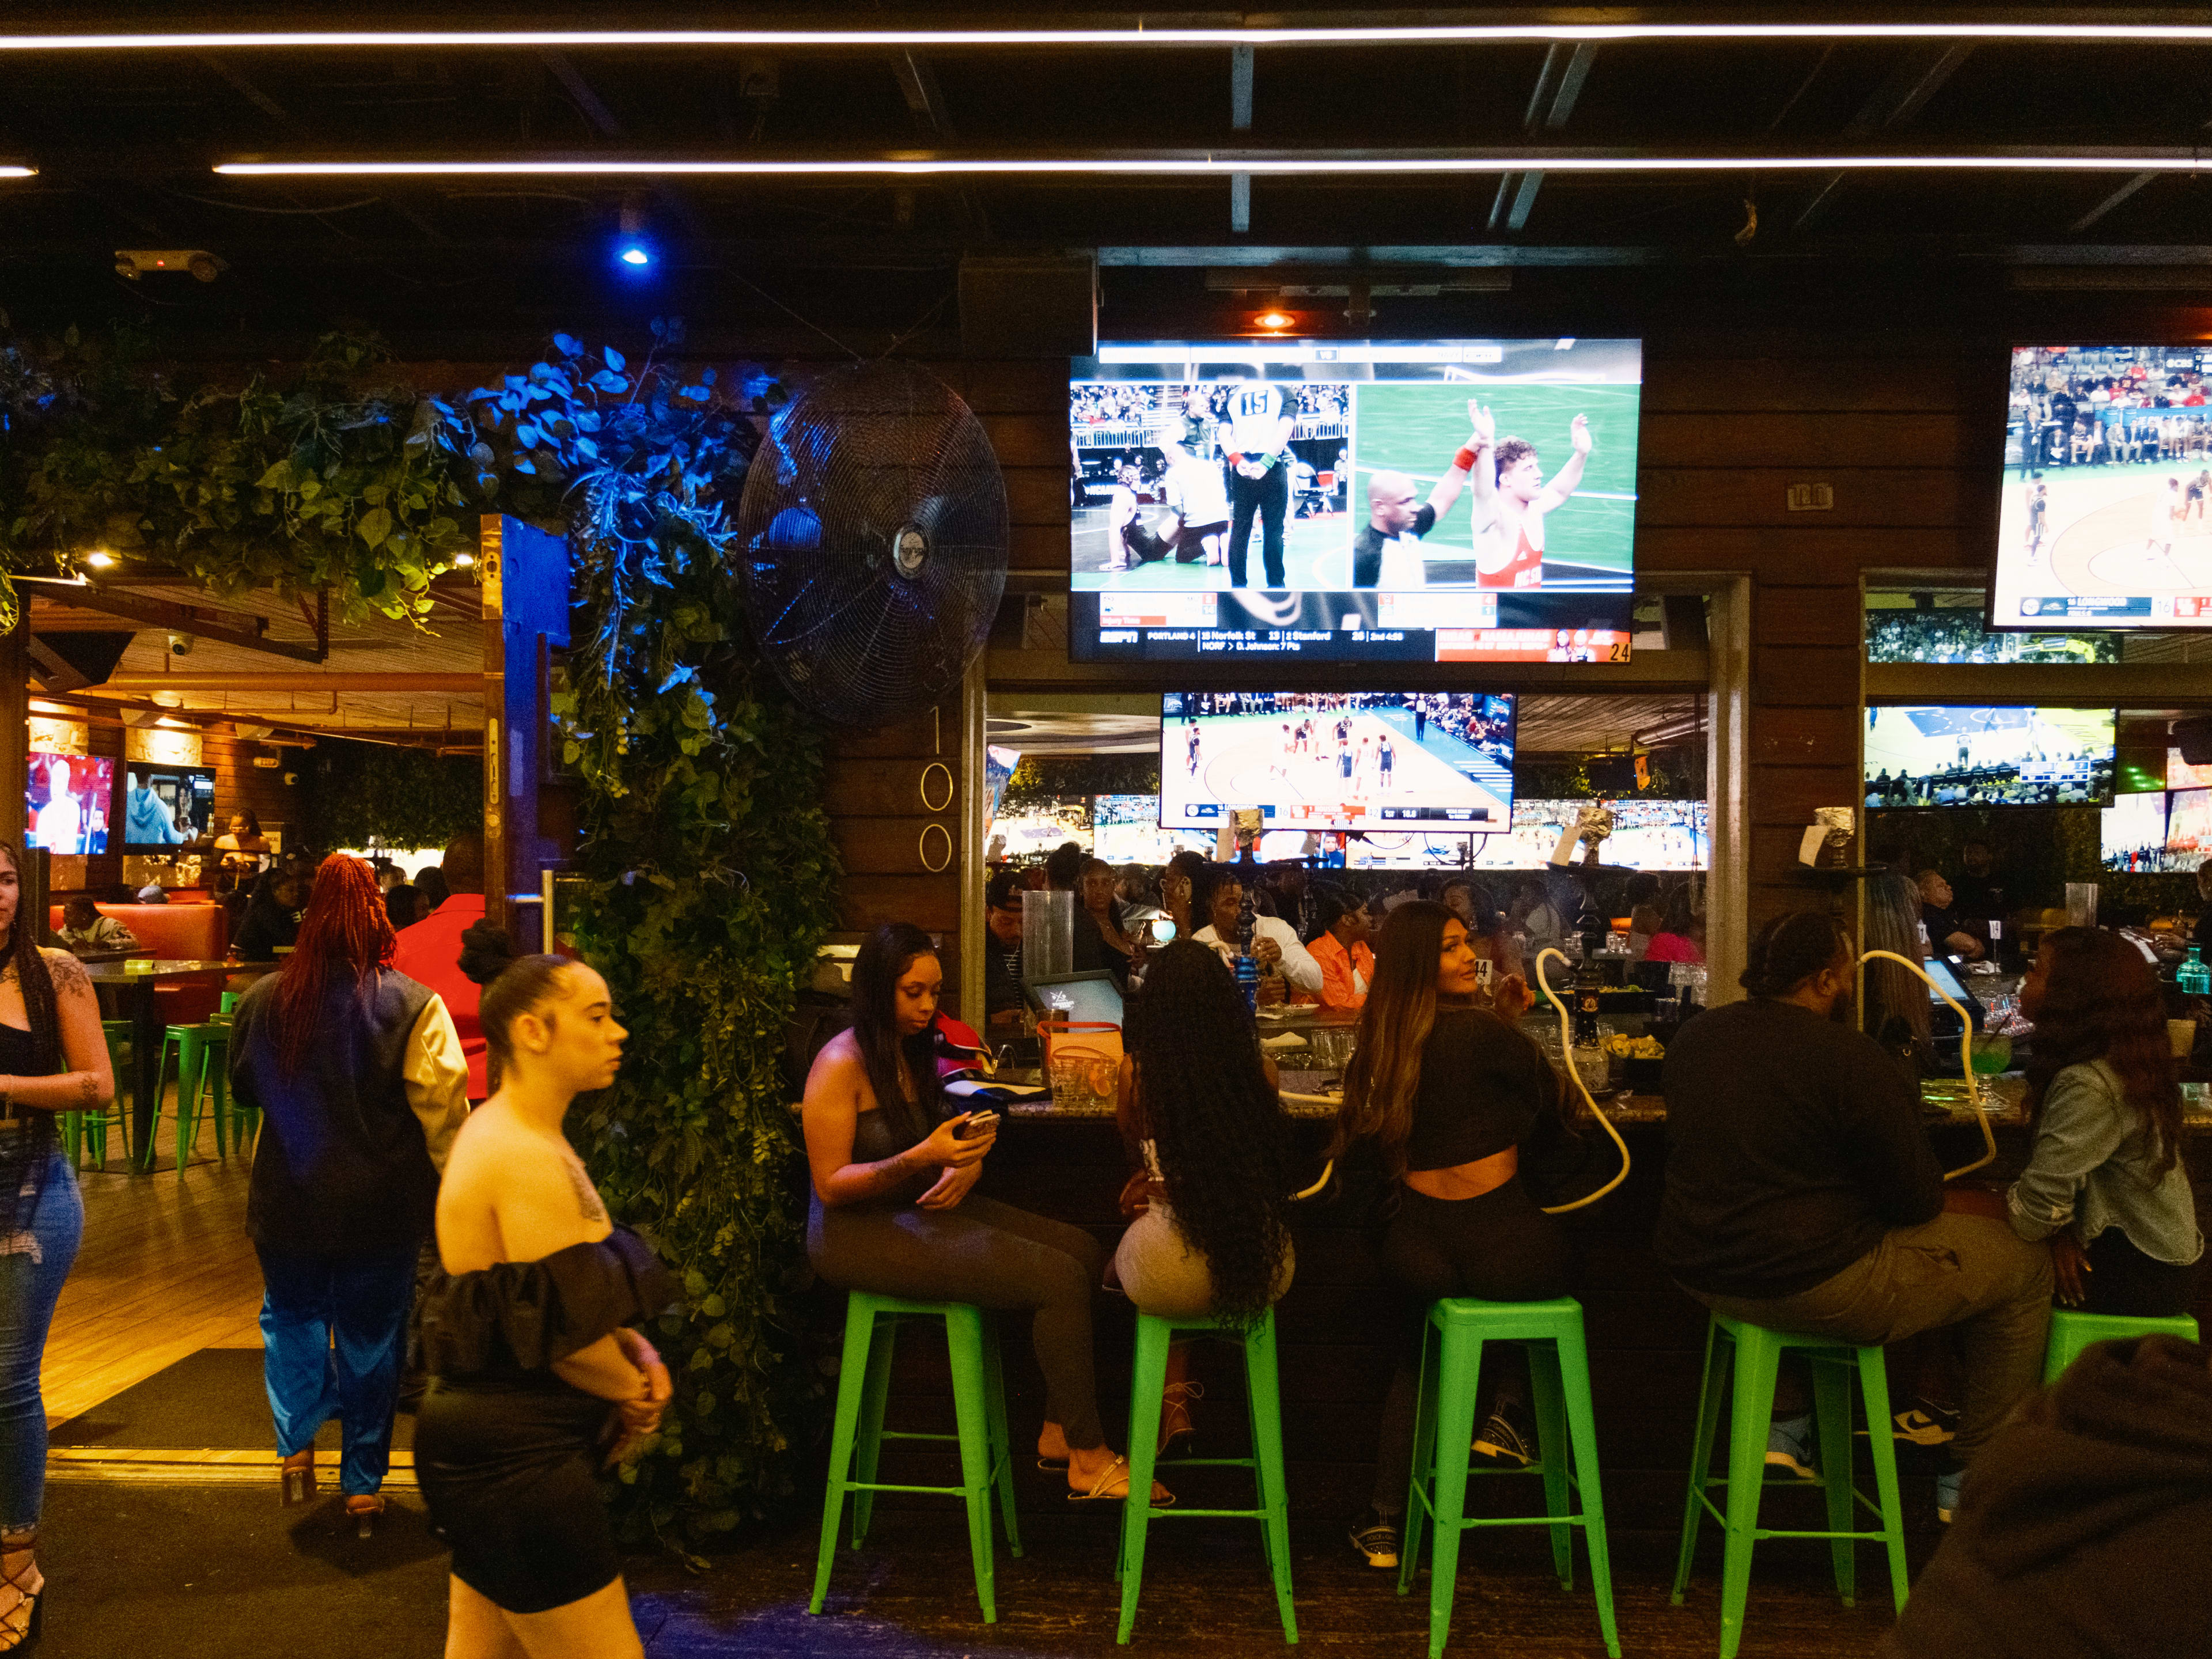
(633,248)
(1276,321)
(1276,163)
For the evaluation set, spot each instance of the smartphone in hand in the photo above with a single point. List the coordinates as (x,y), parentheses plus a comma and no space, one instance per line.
(978,1123)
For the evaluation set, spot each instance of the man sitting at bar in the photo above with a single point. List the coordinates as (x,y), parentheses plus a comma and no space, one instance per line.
(1002,950)
(1947,935)
(1802,1194)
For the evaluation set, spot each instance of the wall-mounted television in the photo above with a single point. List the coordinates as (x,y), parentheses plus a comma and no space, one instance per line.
(2182,775)
(1397,761)
(2188,828)
(71,799)
(2106,520)
(2015,756)
(1126,829)
(1647,835)
(1310,498)
(2132,838)
(166,807)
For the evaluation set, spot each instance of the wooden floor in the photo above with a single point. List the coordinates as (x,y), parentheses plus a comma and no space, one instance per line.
(165,1271)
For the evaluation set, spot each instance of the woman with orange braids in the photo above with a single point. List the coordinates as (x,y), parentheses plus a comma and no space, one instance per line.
(357,1072)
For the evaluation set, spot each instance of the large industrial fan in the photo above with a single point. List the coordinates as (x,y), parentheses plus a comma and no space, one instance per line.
(873,533)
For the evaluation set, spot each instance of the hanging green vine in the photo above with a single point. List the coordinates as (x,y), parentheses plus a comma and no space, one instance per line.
(707,857)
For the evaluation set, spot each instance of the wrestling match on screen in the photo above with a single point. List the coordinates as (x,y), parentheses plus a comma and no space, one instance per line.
(2107,483)
(1348,501)
(1357,760)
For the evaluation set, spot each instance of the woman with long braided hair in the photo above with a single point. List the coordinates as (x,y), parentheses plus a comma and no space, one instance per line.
(1199,1106)
(53,1058)
(357,1072)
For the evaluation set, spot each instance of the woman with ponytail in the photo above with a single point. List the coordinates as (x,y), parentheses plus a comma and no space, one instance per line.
(1451,1096)
(357,1072)
(53,1058)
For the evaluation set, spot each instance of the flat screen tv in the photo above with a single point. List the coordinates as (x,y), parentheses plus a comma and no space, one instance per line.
(71,800)
(166,807)
(1647,835)
(2188,828)
(1451,500)
(2182,775)
(1393,761)
(1950,756)
(2133,835)
(2105,518)
(1041,825)
(1126,829)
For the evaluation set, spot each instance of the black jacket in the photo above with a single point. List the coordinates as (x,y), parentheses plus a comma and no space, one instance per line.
(2085,1527)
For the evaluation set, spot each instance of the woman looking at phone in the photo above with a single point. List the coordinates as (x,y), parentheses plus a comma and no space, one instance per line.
(893,1209)
(1450,1095)
(537,1380)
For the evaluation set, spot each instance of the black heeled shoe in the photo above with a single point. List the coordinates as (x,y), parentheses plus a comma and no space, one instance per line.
(34,1624)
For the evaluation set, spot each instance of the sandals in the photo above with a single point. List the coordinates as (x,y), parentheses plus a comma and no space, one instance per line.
(1175,1403)
(1116,1470)
(363,1508)
(24,1631)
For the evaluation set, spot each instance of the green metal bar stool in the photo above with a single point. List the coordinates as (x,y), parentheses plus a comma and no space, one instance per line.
(1566,1437)
(1264,1402)
(2071,1332)
(88,1130)
(203,1059)
(979,1405)
(1755,1354)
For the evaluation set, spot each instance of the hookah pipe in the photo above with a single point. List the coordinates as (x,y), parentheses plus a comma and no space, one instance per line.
(1965,1060)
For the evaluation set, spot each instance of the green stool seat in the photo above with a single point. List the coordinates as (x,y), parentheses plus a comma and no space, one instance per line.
(1147,1380)
(203,1068)
(979,1406)
(1755,1354)
(2071,1332)
(1566,1435)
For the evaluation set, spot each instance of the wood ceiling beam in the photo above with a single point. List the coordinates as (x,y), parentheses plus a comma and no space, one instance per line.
(229,627)
(450,683)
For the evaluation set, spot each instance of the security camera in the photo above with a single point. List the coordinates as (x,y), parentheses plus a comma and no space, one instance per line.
(180,645)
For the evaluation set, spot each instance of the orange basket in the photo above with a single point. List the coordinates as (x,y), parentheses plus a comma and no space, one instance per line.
(1093,1046)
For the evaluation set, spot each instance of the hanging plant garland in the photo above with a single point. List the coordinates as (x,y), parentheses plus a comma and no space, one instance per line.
(706,851)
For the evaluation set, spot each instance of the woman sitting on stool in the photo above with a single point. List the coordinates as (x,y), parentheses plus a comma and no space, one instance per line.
(2106,1184)
(892,1212)
(1199,1105)
(1448,1093)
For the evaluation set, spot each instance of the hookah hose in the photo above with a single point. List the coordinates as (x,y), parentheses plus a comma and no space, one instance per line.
(1566,1039)
(1965,1060)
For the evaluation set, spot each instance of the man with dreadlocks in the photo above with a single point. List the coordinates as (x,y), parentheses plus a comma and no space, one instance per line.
(1802,1194)
(53,1058)
(358,1073)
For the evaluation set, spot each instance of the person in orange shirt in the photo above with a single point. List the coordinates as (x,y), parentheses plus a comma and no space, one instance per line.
(1340,945)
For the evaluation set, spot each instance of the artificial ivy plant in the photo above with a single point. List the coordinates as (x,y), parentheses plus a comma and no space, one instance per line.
(707,857)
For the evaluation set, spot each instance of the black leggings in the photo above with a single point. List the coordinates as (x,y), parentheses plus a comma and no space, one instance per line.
(990,1254)
(2122,1279)
(1499,1247)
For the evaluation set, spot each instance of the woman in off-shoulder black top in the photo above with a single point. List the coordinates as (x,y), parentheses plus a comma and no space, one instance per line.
(507,1453)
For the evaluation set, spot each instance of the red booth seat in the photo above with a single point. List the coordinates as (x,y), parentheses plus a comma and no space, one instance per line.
(194,931)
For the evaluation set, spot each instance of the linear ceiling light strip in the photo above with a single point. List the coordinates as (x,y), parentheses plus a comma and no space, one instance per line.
(2025,31)
(2097,161)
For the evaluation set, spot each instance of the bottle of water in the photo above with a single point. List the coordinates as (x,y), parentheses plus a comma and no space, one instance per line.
(2194,978)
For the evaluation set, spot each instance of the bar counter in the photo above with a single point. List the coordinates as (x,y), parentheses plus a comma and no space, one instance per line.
(1339,1323)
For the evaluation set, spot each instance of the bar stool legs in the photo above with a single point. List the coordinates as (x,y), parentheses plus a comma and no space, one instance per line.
(1147,1378)
(856,1441)
(1566,1429)
(1755,1355)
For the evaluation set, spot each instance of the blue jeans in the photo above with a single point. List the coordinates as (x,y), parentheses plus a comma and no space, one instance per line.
(363,1302)
(31,1270)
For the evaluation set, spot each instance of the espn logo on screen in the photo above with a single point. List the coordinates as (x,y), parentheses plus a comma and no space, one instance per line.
(1810,497)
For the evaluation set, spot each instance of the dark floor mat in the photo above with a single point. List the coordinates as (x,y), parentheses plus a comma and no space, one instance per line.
(212,1400)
